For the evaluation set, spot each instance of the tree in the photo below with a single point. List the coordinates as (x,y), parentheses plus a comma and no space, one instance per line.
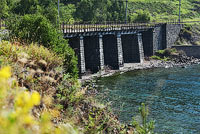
(3,9)
(67,13)
(27,7)
(36,28)
(140,16)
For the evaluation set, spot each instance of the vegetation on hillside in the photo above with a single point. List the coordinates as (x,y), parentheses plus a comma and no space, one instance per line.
(36,96)
(189,35)
(101,10)
(39,90)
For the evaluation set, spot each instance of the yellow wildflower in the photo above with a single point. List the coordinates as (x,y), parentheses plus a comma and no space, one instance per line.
(28,120)
(22,99)
(35,98)
(5,72)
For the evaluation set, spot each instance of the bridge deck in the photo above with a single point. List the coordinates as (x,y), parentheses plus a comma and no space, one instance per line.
(82,28)
(112,26)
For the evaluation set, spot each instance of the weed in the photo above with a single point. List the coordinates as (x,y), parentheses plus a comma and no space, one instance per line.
(145,127)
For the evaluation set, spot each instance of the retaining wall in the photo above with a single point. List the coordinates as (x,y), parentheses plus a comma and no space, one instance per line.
(189,50)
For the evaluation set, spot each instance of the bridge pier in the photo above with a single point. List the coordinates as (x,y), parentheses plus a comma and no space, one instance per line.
(140,45)
(77,44)
(101,55)
(119,50)
(82,56)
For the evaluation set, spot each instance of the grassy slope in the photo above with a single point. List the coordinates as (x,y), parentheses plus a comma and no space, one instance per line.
(167,9)
(36,68)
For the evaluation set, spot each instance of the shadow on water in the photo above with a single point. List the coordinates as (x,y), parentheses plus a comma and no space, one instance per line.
(172,96)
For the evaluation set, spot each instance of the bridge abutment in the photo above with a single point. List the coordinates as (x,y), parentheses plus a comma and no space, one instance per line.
(172,33)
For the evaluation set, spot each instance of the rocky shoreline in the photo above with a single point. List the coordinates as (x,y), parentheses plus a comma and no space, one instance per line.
(175,61)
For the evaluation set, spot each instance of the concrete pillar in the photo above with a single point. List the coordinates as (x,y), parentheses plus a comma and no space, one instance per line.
(101,55)
(82,56)
(120,52)
(141,50)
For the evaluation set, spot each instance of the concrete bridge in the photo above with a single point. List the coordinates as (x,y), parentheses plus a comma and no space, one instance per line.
(112,45)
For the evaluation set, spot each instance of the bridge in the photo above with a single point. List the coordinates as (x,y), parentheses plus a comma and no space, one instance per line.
(113,44)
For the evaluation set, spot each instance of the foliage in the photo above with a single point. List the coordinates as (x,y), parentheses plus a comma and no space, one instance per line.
(67,12)
(64,100)
(4,34)
(15,110)
(166,9)
(166,52)
(36,28)
(159,58)
(3,9)
(26,7)
(14,51)
(67,93)
(141,16)
(145,127)
(33,28)
(99,10)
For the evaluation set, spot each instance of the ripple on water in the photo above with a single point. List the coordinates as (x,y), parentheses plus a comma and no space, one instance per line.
(172,96)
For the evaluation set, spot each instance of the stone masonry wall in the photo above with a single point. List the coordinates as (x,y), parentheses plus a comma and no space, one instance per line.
(189,50)
(159,38)
(172,33)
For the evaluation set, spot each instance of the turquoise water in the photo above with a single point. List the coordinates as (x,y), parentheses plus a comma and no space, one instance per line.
(172,96)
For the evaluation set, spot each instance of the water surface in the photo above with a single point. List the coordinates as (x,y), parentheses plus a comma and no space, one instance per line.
(172,96)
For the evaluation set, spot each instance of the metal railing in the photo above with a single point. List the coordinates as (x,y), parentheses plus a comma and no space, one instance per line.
(80,27)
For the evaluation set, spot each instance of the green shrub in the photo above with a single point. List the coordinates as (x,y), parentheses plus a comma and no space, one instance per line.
(16,106)
(166,52)
(155,57)
(140,16)
(36,28)
(145,127)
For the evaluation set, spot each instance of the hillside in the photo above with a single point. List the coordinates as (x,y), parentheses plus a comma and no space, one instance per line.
(102,10)
(36,97)
(166,9)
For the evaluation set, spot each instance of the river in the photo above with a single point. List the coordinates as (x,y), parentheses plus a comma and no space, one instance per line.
(172,96)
